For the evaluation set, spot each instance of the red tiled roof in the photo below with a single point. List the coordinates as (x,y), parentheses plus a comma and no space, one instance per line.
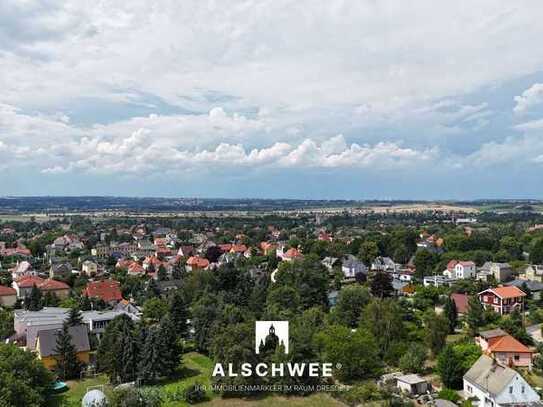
(461,302)
(452,264)
(238,248)
(507,292)
(29,281)
(508,344)
(5,291)
(197,261)
(225,247)
(51,284)
(107,290)
(135,267)
(292,253)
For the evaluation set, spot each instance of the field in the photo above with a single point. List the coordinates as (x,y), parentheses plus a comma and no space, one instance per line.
(197,369)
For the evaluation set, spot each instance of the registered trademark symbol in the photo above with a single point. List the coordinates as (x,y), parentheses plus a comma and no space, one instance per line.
(338,366)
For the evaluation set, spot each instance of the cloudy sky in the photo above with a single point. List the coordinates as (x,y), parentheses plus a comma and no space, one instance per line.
(272,98)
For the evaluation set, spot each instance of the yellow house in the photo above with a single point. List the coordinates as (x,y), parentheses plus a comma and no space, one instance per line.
(46,343)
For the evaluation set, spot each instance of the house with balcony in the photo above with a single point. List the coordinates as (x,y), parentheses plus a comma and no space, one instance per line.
(503,300)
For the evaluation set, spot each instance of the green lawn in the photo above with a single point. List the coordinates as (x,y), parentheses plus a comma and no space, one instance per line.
(77,390)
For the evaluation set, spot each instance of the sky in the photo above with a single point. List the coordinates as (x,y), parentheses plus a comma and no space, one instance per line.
(366,99)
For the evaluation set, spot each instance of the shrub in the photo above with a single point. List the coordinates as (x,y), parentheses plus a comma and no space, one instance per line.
(194,394)
(449,394)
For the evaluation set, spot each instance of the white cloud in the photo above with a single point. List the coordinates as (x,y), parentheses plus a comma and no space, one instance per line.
(531,97)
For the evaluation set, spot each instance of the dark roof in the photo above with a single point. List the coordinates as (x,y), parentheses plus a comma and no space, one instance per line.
(48,339)
(492,333)
(532,285)
(169,284)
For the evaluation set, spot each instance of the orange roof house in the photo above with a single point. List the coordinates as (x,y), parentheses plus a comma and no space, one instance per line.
(461,302)
(292,254)
(503,300)
(238,248)
(8,296)
(197,262)
(504,348)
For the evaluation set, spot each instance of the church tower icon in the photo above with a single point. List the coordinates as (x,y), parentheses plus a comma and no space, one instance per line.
(269,335)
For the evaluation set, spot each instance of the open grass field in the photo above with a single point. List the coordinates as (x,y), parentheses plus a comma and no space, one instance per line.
(197,369)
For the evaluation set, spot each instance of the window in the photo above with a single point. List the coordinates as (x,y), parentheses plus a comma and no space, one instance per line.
(516,357)
(522,389)
(510,389)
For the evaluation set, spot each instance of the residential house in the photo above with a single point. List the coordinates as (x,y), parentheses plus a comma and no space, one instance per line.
(504,348)
(533,272)
(22,269)
(405,274)
(62,270)
(460,270)
(108,291)
(503,300)
(437,281)
(185,251)
(27,324)
(289,255)
(8,296)
(197,263)
(384,264)
(413,384)
(267,248)
(498,271)
(24,285)
(492,384)
(89,268)
(351,266)
(329,262)
(58,288)
(534,287)
(461,303)
(46,345)
(128,307)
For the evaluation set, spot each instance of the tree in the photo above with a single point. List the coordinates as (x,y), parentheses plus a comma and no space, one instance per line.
(162,274)
(413,360)
(179,313)
(454,361)
(449,367)
(368,252)
(381,285)
(204,314)
(118,353)
(437,328)
(451,313)
(383,318)
(154,309)
(33,302)
(536,251)
(309,279)
(476,313)
(356,352)
(6,324)
(74,317)
(24,380)
(171,348)
(350,304)
(68,366)
(152,364)
(424,262)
